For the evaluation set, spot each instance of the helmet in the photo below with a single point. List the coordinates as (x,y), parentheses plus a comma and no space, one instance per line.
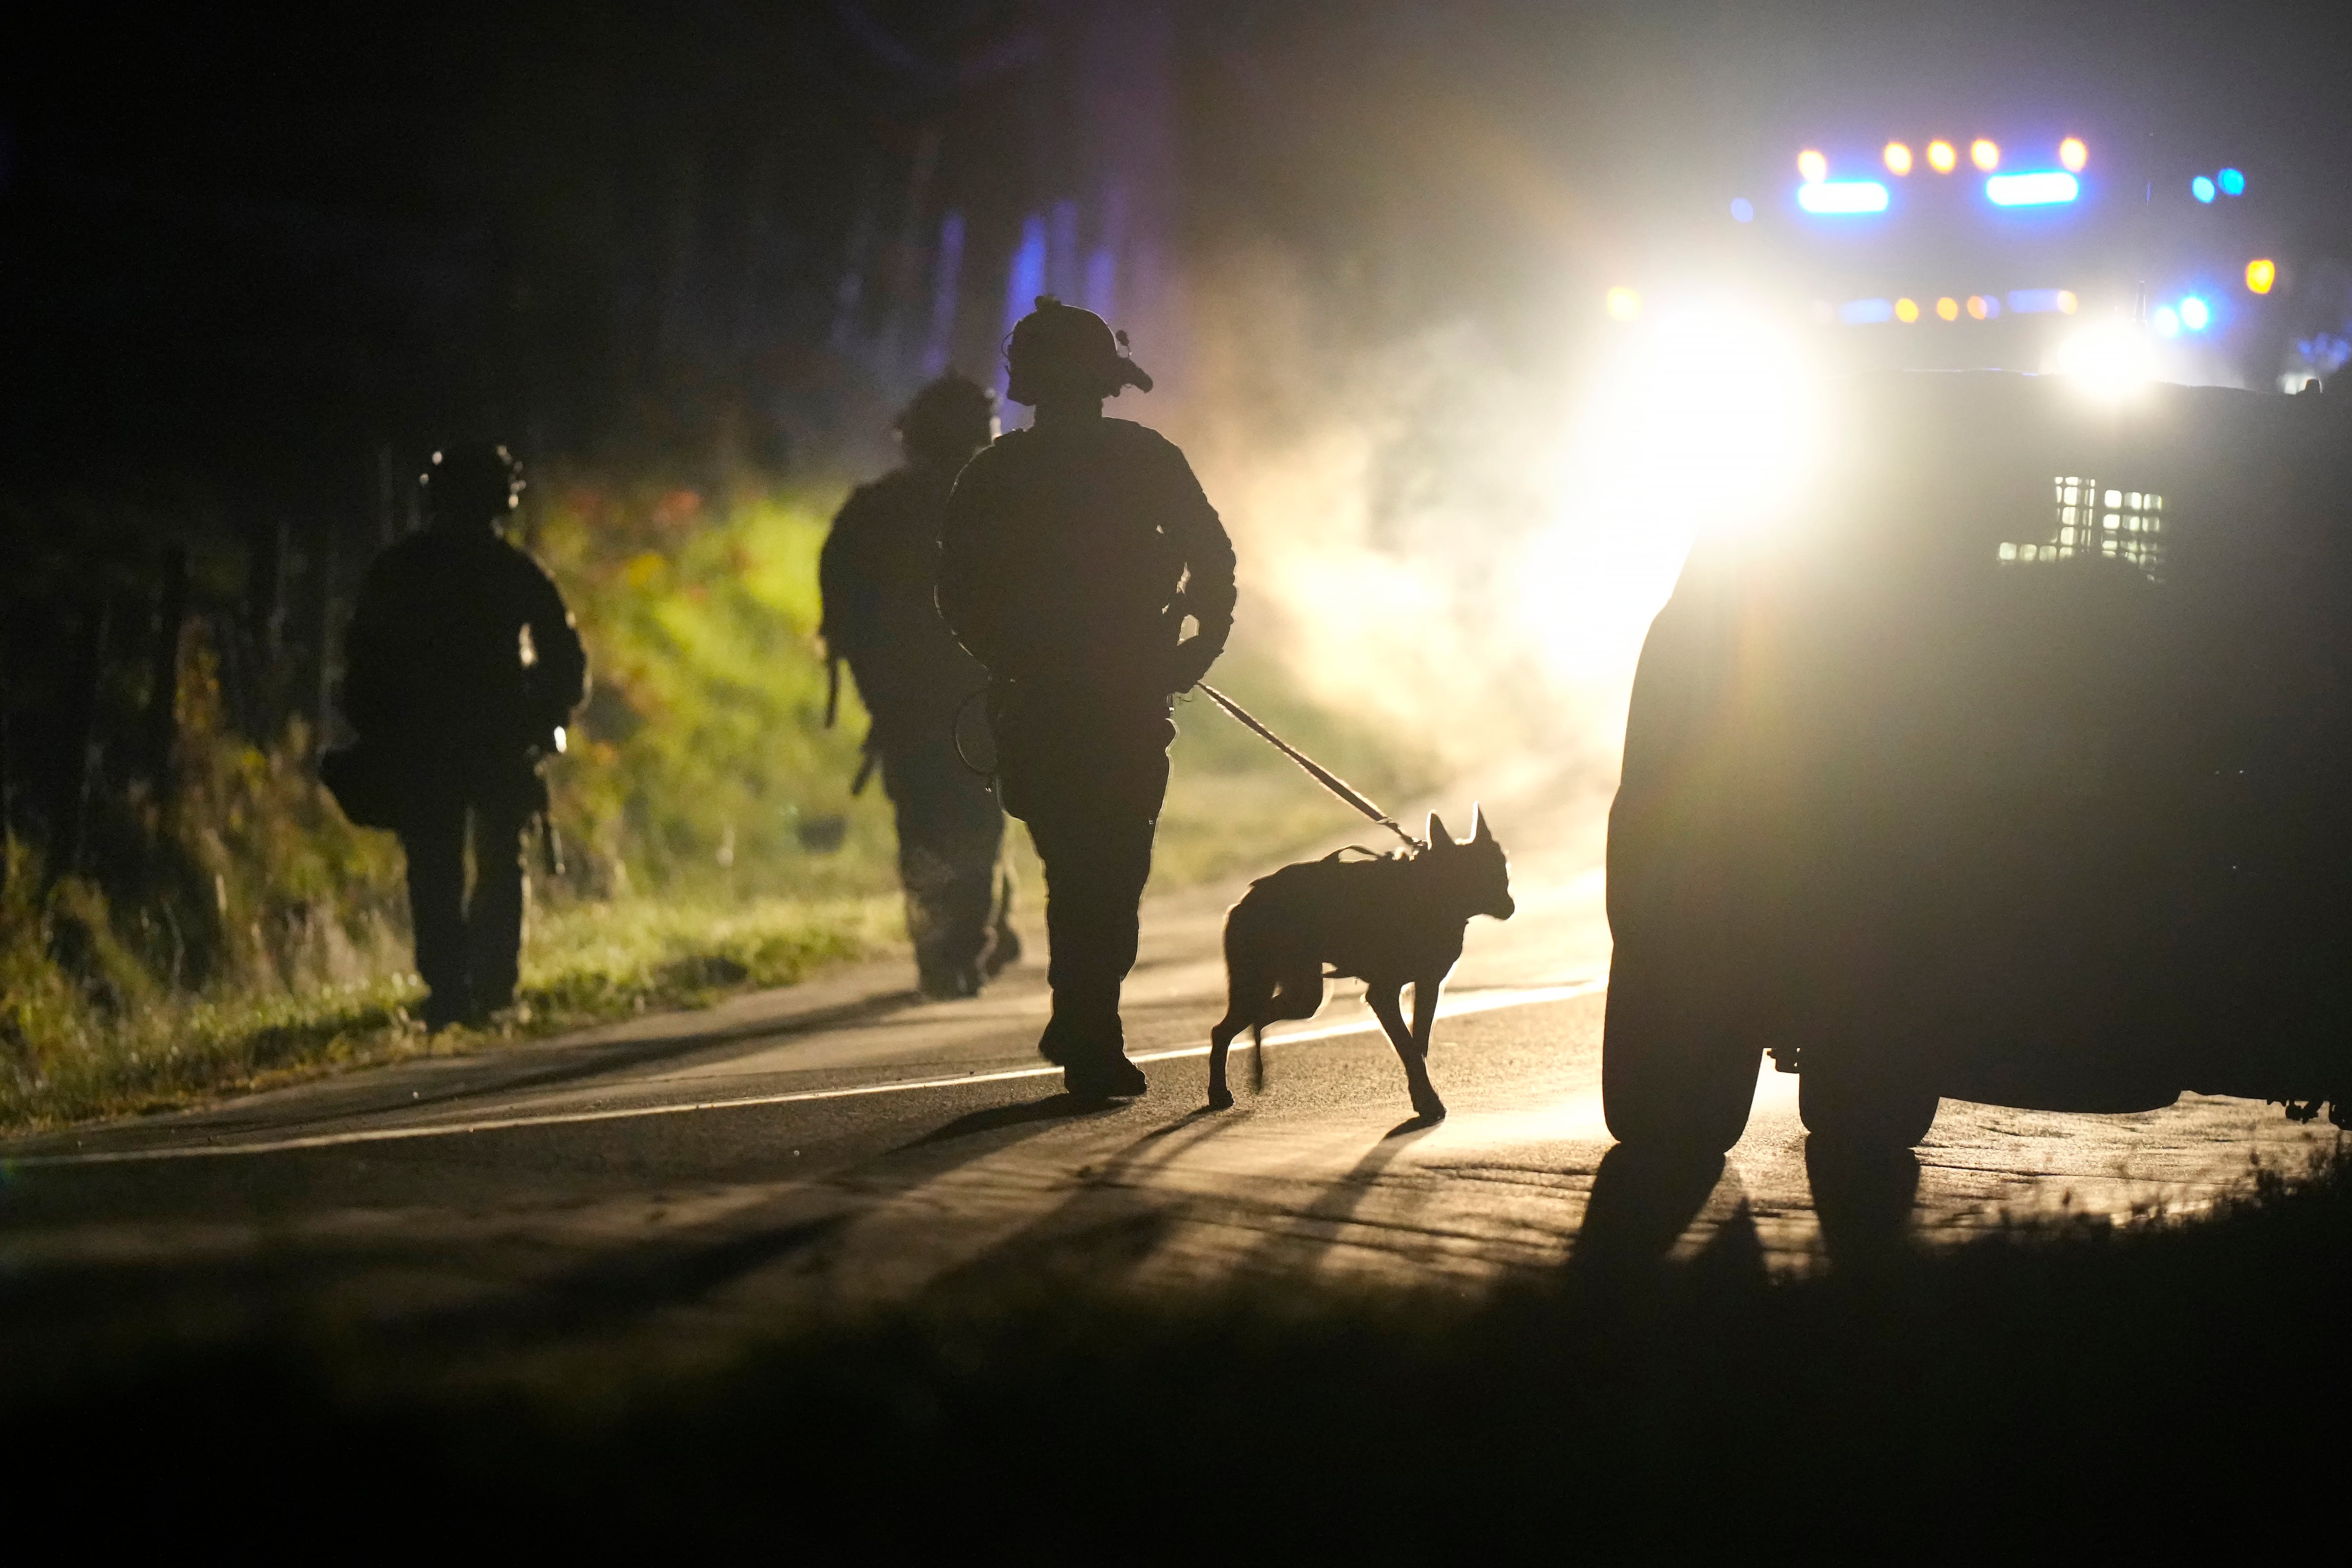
(951,416)
(476,481)
(1060,348)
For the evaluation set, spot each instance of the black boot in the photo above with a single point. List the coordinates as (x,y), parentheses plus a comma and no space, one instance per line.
(1101,1076)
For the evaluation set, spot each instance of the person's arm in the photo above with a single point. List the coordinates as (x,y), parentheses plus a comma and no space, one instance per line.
(966,595)
(1209,592)
(845,585)
(559,677)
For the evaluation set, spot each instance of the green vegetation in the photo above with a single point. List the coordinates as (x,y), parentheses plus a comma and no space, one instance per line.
(233,929)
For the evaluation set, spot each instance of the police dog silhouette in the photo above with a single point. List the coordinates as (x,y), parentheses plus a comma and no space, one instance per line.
(1386,920)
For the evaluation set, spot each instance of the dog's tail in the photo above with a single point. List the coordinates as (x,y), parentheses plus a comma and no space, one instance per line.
(1257,1059)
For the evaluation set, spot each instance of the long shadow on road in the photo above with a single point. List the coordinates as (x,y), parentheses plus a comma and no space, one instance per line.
(1316,1230)
(1109,1226)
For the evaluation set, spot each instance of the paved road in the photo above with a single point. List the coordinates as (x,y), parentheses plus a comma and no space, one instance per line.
(842,1143)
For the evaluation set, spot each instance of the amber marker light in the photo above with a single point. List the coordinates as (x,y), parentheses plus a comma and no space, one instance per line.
(2072,153)
(2067,303)
(1907,310)
(1623,303)
(2261,276)
(1812,167)
(1977,306)
(1984,155)
(1949,308)
(1941,158)
(1898,158)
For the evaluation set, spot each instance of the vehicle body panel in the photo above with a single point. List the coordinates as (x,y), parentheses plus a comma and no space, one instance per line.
(2067,832)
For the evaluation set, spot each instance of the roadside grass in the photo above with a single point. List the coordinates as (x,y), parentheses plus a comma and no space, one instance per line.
(71,1051)
(583,964)
(2175,1376)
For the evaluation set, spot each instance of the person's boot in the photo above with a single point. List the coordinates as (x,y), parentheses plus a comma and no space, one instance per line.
(445,1006)
(1093,1057)
(953,984)
(1103,1075)
(1063,1041)
(1003,949)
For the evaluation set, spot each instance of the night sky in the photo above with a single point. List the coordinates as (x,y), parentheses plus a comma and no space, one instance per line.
(250,252)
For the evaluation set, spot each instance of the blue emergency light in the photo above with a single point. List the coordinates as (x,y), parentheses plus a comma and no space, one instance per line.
(1842,196)
(2046,188)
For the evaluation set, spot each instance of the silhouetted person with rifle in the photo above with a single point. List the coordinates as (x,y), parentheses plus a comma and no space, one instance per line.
(1073,554)
(878,571)
(460,666)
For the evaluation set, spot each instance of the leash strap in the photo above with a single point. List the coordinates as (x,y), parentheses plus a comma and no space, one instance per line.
(1315,770)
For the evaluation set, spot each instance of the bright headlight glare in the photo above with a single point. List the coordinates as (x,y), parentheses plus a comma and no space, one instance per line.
(2110,359)
(1703,419)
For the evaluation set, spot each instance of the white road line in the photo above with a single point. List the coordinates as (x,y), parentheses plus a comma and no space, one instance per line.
(1476,1002)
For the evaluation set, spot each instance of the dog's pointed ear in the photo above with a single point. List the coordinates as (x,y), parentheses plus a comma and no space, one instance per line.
(1438,838)
(1479,832)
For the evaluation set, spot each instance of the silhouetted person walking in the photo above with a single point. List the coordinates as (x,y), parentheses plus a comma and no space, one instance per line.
(1071,554)
(461,662)
(879,572)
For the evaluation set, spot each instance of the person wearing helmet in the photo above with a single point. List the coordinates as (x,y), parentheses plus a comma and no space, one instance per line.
(1072,555)
(460,665)
(877,575)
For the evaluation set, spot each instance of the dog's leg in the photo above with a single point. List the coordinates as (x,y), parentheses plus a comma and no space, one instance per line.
(1424,1011)
(1383,998)
(1221,1041)
(1247,1000)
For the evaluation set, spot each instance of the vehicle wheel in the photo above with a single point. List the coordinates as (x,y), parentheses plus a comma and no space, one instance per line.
(1669,1079)
(1862,1110)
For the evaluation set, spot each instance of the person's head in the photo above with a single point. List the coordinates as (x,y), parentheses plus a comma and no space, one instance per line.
(947,421)
(472,485)
(1059,354)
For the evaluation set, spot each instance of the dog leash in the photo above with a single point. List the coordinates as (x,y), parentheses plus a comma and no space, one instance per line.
(1315,770)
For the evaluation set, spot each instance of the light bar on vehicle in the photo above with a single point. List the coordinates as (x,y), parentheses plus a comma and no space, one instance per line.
(1839,197)
(2033,301)
(2045,188)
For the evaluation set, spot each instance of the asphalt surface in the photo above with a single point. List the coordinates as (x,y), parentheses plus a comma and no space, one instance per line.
(842,1143)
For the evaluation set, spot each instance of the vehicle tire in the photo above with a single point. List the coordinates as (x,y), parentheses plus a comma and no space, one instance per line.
(1861,1109)
(1671,1078)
